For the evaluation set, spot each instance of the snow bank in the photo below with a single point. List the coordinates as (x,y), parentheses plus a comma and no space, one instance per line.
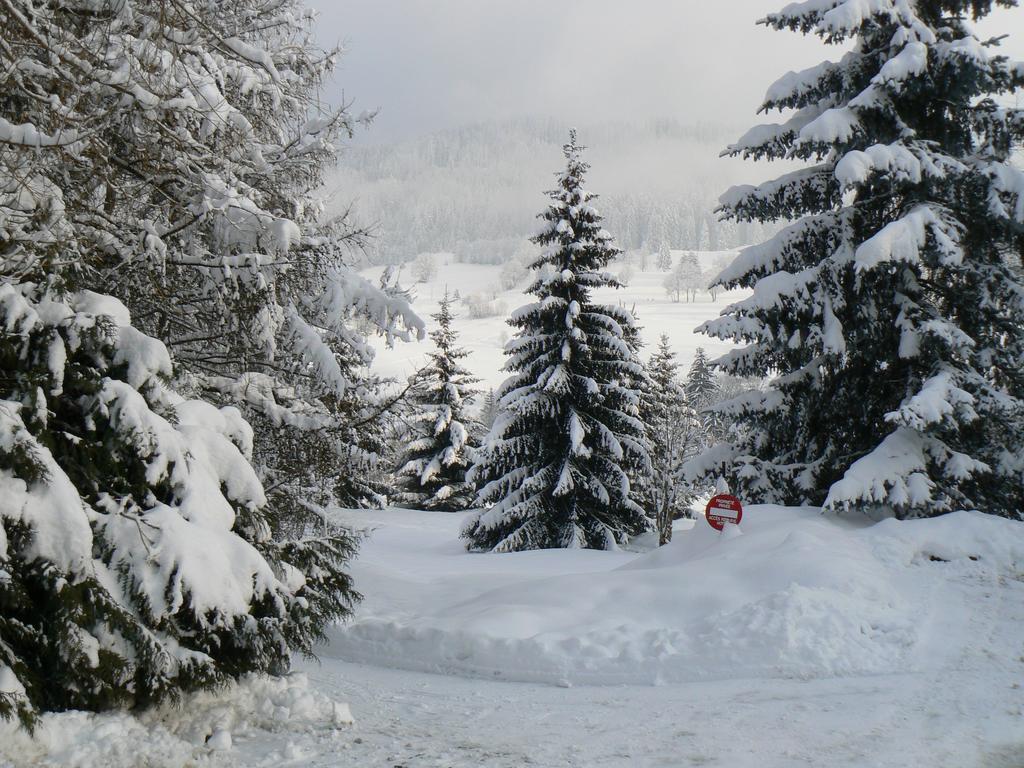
(208,729)
(794,594)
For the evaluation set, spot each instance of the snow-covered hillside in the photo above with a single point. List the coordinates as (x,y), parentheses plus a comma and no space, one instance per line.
(475,189)
(485,337)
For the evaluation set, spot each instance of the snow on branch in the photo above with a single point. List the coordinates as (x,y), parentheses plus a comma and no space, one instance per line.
(347,292)
(939,401)
(904,240)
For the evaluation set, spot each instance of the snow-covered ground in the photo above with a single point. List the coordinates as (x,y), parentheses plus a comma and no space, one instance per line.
(803,640)
(484,338)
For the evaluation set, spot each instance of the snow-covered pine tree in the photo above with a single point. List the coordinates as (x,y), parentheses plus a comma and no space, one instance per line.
(676,434)
(488,410)
(168,154)
(702,393)
(664,258)
(136,561)
(554,469)
(889,310)
(432,473)
(701,387)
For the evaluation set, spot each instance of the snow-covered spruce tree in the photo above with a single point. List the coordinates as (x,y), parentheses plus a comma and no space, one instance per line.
(432,473)
(136,561)
(676,434)
(702,393)
(889,310)
(554,470)
(637,463)
(701,387)
(167,153)
(664,261)
(488,411)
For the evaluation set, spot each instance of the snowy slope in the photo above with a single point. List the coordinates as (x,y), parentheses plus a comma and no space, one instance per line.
(485,338)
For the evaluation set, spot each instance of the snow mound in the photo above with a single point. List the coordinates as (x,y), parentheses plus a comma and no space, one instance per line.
(793,594)
(202,731)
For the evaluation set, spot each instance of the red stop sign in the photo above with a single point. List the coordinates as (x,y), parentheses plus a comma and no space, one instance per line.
(723,509)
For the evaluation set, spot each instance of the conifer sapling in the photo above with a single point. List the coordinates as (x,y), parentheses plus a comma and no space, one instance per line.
(433,471)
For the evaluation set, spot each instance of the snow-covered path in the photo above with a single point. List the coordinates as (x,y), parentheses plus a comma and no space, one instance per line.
(418,720)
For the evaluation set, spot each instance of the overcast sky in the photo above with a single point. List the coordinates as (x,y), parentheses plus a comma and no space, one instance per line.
(432,64)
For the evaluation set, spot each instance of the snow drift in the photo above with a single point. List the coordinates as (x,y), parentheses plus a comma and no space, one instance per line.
(794,594)
(243,717)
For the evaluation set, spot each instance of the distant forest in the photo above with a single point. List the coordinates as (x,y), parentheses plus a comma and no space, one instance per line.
(476,191)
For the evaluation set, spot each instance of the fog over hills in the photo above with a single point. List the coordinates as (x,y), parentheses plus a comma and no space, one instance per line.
(476,191)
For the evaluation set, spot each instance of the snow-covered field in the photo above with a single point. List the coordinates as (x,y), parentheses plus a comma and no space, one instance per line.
(484,338)
(802,640)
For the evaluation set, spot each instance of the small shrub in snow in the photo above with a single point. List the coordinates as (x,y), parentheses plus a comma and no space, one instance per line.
(479,307)
(424,268)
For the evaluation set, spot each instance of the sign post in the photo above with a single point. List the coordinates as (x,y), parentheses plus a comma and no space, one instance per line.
(723,509)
